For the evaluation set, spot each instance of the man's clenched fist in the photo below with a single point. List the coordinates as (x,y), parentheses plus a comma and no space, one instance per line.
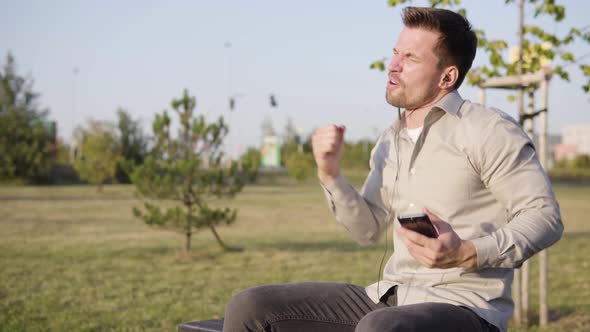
(328,147)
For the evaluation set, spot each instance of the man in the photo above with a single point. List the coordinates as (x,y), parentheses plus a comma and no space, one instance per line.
(472,170)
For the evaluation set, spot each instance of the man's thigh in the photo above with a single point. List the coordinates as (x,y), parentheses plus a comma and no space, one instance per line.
(310,306)
(423,317)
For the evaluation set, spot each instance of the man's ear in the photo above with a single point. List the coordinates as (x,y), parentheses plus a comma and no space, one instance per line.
(449,78)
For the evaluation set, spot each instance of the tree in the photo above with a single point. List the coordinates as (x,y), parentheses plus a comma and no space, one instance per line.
(250,163)
(300,166)
(26,137)
(581,161)
(290,135)
(99,155)
(535,45)
(357,154)
(187,171)
(134,145)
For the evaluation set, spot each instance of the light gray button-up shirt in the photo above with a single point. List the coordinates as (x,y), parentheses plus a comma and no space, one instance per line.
(474,168)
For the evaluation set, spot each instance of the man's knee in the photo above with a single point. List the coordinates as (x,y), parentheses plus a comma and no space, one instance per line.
(245,311)
(382,320)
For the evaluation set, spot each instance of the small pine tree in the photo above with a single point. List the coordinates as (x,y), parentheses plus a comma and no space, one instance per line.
(187,170)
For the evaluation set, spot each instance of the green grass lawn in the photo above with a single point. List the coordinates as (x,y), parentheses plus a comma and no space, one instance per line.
(75,260)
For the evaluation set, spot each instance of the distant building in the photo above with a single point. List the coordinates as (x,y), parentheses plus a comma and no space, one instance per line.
(578,135)
(271,152)
(575,142)
(564,151)
(553,143)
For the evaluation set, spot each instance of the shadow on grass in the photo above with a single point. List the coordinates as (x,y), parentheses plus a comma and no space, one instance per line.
(176,254)
(556,314)
(562,317)
(558,318)
(333,245)
(576,235)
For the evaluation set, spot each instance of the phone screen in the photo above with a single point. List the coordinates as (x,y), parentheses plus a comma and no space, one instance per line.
(419,223)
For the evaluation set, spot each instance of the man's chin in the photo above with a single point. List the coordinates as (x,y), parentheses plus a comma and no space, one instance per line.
(394,101)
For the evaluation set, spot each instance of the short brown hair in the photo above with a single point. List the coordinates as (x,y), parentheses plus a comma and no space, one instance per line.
(457,43)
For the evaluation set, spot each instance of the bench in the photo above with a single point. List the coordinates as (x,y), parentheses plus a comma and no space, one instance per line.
(212,325)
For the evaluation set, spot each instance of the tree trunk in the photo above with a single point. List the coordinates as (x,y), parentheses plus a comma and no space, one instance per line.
(520,104)
(516,297)
(221,243)
(520,92)
(189,227)
(188,239)
(543,263)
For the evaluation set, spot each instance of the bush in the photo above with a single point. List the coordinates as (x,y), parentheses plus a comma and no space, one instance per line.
(300,166)
(250,163)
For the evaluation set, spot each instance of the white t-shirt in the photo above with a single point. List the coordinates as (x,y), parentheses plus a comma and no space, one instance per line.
(414,133)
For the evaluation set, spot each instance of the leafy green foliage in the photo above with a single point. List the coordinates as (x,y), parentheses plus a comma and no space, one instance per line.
(357,154)
(586,70)
(574,169)
(27,140)
(250,163)
(290,134)
(379,64)
(300,166)
(188,171)
(134,145)
(296,156)
(99,155)
(581,161)
(288,149)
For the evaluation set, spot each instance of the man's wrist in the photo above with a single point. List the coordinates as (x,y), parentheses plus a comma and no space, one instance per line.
(469,254)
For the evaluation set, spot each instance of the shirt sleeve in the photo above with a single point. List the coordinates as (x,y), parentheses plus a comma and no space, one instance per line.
(511,170)
(363,213)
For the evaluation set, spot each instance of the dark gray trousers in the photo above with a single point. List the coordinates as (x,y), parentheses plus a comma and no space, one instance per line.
(334,307)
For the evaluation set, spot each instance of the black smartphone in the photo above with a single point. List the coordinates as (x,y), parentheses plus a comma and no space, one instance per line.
(418,223)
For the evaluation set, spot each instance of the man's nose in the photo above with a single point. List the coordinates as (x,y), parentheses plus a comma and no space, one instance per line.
(395,64)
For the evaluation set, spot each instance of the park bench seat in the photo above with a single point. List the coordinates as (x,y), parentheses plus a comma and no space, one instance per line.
(212,325)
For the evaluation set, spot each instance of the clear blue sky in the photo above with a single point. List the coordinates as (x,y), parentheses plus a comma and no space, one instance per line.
(313,55)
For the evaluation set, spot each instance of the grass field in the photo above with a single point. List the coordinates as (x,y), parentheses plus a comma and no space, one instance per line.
(75,260)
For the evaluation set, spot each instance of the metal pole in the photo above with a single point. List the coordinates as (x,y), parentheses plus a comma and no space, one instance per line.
(482,96)
(543,259)
(520,102)
(529,126)
(516,297)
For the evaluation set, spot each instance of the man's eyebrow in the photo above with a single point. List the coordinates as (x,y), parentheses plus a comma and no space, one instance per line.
(408,53)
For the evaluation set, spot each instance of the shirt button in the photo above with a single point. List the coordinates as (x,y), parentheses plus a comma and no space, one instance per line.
(412,171)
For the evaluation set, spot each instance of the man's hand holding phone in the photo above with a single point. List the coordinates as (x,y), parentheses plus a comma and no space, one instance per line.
(445,251)
(419,223)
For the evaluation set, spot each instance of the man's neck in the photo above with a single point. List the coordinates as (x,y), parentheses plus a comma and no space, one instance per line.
(415,118)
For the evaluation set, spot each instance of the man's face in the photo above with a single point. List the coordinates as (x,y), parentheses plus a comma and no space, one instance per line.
(413,72)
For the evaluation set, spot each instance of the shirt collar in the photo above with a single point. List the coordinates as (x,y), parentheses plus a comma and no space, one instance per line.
(450,103)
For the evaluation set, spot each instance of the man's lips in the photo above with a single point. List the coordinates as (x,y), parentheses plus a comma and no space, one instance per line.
(392,82)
